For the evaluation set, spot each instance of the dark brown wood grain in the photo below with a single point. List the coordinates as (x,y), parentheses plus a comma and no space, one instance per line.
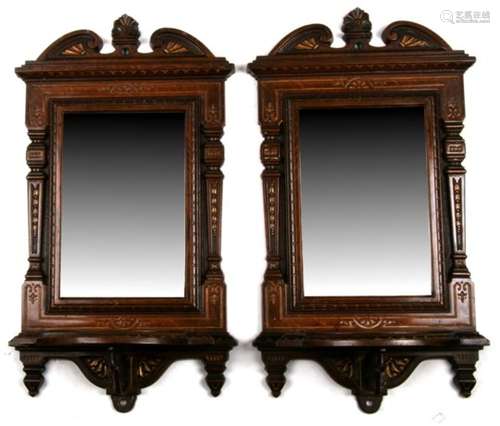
(368,344)
(125,344)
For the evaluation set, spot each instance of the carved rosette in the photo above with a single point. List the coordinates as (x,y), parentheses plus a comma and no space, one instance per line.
(213,158)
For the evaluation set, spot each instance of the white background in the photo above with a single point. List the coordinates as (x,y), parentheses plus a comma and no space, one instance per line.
(240,31)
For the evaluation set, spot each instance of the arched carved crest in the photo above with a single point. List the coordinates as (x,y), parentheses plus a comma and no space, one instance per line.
(164,42)
(357,34)
(404,34)
(169,41)
(305,39)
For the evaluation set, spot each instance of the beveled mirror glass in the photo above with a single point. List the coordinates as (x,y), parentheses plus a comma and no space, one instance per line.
(122,232)
(365,202)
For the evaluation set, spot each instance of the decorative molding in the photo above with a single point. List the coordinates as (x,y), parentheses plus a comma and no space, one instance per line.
(332,64)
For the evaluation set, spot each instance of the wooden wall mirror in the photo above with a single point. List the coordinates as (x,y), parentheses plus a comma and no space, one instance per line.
(364,207)
(125,204)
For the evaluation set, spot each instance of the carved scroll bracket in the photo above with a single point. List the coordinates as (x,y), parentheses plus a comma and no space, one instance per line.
(123,374)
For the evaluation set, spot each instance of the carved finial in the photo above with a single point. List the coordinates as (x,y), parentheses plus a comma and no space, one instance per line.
(357,29)
(126,35)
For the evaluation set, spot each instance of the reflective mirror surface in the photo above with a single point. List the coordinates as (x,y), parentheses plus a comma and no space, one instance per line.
(123,228)
(365,202)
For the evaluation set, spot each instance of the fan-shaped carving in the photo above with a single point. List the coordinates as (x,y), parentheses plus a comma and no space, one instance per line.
(125,34)
(308,38)
(81,43)
(169,41)
(357,29)
(404,34)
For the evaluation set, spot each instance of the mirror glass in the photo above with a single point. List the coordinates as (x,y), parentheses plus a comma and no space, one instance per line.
(365,202)
(123,228)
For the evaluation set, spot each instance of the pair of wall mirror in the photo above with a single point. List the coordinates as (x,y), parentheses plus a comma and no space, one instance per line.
(363,197)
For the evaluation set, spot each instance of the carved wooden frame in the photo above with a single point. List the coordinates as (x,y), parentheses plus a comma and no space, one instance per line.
(368,344)
(125,344)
